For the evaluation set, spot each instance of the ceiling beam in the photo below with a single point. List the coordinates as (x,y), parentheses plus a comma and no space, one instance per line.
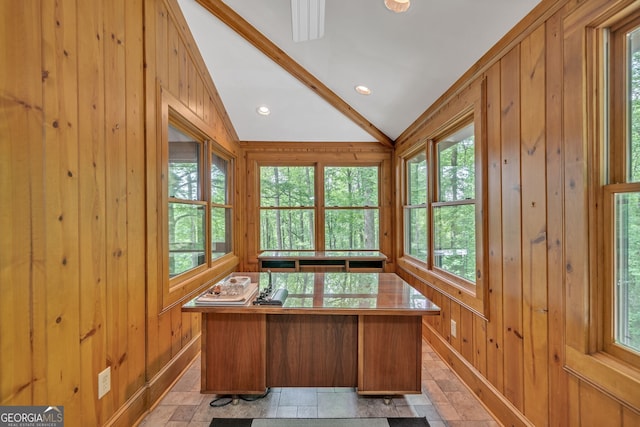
(257,39)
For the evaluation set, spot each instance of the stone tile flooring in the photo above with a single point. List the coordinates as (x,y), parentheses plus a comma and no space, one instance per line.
(445,401)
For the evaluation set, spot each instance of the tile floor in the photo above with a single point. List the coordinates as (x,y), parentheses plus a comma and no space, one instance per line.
(445,401)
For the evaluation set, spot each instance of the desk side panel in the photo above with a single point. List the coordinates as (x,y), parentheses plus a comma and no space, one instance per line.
(390,354)
(234,359)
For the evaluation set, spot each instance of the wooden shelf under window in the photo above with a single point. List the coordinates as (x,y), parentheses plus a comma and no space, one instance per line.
(311,261)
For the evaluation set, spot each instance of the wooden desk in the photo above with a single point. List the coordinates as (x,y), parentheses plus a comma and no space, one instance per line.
(310,261)
(359,330)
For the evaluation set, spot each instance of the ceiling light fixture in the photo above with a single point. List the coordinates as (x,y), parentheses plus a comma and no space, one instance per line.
(263,110)
(307,19)
(397,6)
(363,90)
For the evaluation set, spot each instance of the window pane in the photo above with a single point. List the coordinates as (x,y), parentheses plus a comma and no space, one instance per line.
(219,183)
(351,229)
(415,235)
(184,166)
(220,232)
(286,186)
(634,105)
(627,269)
(456,166)
(417,180)
(351,186)
(454,240)
(286,229)
(186,237)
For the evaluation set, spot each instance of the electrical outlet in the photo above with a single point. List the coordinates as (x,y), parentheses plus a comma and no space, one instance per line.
(104,382)
(454,329)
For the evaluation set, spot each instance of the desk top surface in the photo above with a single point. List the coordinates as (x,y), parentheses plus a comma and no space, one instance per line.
(333,293)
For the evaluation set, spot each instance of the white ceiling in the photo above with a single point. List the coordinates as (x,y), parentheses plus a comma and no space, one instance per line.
(408,60)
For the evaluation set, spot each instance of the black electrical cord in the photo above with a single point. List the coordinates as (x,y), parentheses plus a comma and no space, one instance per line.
(221,401)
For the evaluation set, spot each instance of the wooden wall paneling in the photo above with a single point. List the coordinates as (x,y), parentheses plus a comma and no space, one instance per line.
(495,334)
(608,412)
(534,226)
(200,98)
(192,86)
(135,175)
(173,59)
(22,225)
(185,336)
(183,69)
(59,295)
(558,388)
(387,212)
(92,201)
(116,242)
(445,314)
(479,345)
(176,330)
(196,326)
(252,218)
(630,418)
(511,228)
(158,49)
(465,334)
(156,71)
(573,408)
(165,338)
(575,192)
(454,316)
(437,320)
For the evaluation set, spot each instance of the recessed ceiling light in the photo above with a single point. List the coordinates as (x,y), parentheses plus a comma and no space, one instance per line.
(397,6)
(363,90)
(263,110)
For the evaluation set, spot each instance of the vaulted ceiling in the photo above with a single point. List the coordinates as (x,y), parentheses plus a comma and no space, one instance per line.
(408,60)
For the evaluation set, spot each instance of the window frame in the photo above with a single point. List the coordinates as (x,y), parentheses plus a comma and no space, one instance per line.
(586,134)
(434,200)
(177,288)
(466,108)
(319,207)
(407,206)
(181,125)
(613,168)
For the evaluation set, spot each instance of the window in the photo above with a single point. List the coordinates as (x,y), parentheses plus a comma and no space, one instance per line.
(220,207)
(453,208)
(415,210)
(287,207)
(291,217)
(443,182)
(199,209)
(351,208)
(186,212)
(622,195)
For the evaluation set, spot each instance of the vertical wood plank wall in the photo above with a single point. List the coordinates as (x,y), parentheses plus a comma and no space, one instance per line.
(80,280)
(538,237)
(78,266)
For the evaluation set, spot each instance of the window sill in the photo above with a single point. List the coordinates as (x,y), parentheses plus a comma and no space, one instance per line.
(463,293)
(616,378)
(189,287)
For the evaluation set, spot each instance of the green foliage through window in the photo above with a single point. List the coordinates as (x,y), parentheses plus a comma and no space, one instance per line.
(415,212)
(288,208)
(454,224)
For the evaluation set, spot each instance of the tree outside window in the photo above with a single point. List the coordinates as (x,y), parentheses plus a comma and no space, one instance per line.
(289,205)
(454,225)
(415,211)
